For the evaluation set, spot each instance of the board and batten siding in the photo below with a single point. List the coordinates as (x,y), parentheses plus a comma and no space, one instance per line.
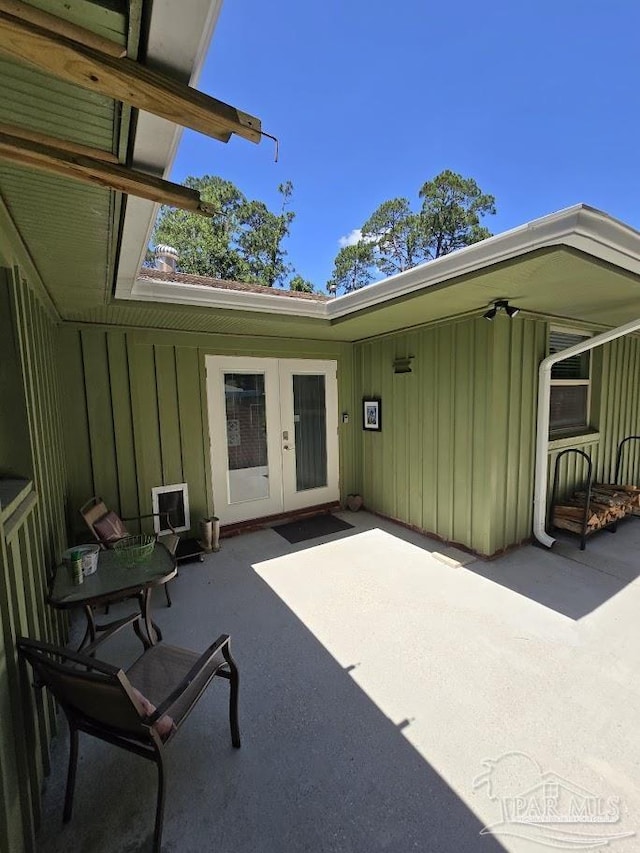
(429,467)
(136,415)
(32,538)
(456,453)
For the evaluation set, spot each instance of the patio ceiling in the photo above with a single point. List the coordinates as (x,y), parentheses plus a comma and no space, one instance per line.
(68,236)
(68,227)
(558,282)
(579,266)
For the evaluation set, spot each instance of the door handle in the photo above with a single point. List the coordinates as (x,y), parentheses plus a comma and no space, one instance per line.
(287,447)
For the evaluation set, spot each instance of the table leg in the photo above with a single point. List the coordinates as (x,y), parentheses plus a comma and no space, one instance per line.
(90,632)
(153,632)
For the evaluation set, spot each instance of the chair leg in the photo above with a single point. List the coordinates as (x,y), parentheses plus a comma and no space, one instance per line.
(234,689)
(157,834)
(166,592)
(71,773)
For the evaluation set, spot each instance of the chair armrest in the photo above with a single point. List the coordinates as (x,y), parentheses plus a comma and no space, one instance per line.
(152,515)
(32,647)
(108,632)
(221,644)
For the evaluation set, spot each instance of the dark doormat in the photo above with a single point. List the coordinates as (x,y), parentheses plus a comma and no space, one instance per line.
(311,528)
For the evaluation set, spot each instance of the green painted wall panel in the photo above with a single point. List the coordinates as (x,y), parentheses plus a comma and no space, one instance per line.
(456,454)
(193,437)
(146,429)
(28,550)
(145,397)
(168,414)
(15,452)
(615,413)
(74,403)
(121,412)
(427,467)
(100,418)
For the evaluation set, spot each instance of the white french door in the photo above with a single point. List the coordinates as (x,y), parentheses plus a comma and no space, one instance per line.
(273,425)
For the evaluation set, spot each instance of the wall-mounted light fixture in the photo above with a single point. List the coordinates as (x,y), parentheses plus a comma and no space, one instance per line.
(402,364)
(501,305)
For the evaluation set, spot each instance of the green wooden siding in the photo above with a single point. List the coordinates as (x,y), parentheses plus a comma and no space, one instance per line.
(456,454)
(135,412)
(519,347)
(31,541)
(428,466)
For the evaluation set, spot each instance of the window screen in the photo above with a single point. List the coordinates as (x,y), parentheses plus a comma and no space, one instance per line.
(576,367)
(570,380)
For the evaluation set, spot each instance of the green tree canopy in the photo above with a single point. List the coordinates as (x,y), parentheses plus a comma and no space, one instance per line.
(353,268)
(300,284)
(392,228)
(396,238)
(243,241)
(451,211)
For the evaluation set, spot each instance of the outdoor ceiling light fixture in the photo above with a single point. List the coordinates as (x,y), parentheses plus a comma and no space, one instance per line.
(501,305)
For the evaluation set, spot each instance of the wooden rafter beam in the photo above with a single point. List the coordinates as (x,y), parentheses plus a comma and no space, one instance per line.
(55,142)
(122,79)
(59,26)
(25,151)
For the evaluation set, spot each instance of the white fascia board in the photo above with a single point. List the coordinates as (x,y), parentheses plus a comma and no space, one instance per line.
(580,227)
(150,290)
(177,44)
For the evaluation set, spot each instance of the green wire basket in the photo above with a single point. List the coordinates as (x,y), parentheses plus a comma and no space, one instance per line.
(133,550)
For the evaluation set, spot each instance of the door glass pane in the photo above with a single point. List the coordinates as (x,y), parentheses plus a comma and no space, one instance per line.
(310,419)
(246,414)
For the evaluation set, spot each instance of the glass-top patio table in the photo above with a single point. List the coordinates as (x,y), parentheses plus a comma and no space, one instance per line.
(112,582)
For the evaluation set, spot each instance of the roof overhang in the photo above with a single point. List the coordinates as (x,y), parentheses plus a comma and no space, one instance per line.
(580,227)
(177,43)
(573,264)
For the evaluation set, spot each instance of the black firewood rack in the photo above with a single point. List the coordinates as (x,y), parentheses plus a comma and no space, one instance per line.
(554,492)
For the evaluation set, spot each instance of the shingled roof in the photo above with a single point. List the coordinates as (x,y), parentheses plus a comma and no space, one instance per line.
(150,274)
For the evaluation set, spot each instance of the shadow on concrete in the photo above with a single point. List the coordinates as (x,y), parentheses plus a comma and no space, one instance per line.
(565,579)
(321,769)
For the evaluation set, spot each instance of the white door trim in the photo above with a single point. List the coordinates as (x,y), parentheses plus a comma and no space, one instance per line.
(281,467)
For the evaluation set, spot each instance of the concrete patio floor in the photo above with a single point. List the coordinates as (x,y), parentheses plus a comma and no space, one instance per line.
(382,673)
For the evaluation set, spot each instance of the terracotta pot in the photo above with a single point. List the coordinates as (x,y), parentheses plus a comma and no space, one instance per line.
(354,502)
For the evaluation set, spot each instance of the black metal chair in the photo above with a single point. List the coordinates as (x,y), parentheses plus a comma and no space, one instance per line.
(139,710)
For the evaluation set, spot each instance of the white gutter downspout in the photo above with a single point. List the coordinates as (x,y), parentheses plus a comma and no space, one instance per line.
(542,437)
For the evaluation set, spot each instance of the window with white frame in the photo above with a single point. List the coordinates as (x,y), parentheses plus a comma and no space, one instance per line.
(570,383)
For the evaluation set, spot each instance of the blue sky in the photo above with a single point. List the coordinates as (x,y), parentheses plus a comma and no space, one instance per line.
(538,101)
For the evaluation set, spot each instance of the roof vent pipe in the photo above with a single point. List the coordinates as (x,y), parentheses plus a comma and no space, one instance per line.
(542,434)
(166,258)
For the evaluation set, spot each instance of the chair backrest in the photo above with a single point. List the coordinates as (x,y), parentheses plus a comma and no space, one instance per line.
(106,526)
(90,691)
(92,511)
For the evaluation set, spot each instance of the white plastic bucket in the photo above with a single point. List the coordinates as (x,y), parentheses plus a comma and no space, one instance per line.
(89,557)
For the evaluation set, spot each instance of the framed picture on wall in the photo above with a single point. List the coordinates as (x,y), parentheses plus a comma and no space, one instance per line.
(372,414)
